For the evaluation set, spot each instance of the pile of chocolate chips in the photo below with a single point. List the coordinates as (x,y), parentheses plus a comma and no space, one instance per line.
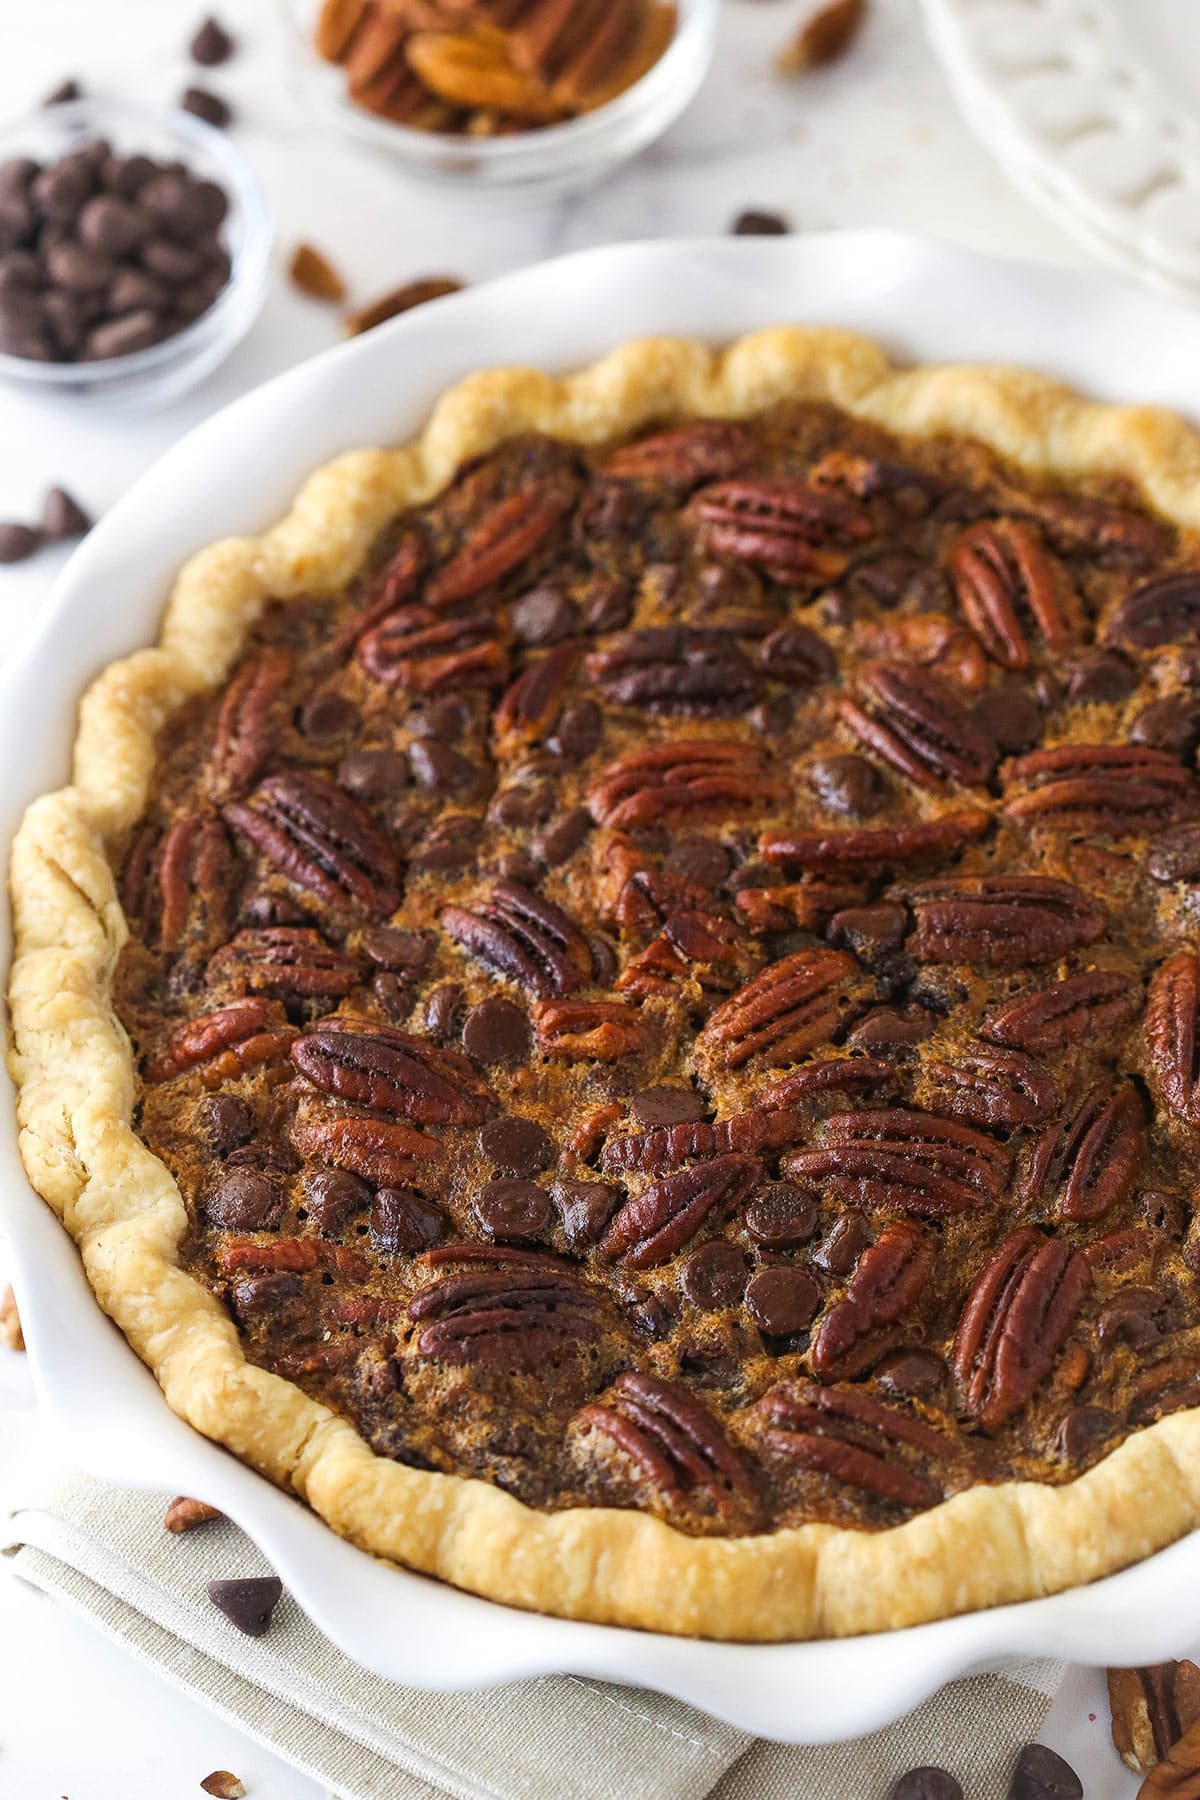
(103,254)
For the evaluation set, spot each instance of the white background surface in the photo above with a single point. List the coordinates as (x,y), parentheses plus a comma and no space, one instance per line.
(873,141)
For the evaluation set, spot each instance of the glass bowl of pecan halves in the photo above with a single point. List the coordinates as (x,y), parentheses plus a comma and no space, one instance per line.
(528,95)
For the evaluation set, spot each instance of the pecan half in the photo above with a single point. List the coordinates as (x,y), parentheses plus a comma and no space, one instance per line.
(829,1077)
(796,1003)
(653,1225)
(994,1087)
(666,1147)
(675,1443)
(933,640)
(185,1514)
(523,938)
(918,726)
(1090,1005)
(321,839)
(1172,1005)
(875,850)
(383,1151)
(393,1071)
(248,724)
(675,669)
(1119,789)
(1079,525)
(1152,1709)
(1005,921)
(692,947)
(529,709)
(511,1310)
(505,537)
(842,1433)
(294,1256)
(888,1280)
(790,529)
(1001,570)
(683,777)
(1092,1155)
(221,1045)
(414,649)
(587,1030)
(193,884)
(284,960)
(1016,1320)
(1165,610)
(682,456)
(915,1162)
(808,904)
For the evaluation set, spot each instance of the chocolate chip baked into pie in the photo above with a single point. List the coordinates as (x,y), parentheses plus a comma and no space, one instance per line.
(616,1004)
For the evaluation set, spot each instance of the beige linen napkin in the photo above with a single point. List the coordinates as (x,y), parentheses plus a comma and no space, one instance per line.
(103,1552)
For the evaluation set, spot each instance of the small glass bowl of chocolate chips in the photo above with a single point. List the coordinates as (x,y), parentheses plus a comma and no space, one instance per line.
(134,252)
(529,96)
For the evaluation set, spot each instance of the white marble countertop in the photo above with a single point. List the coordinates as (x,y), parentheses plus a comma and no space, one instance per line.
(873,141)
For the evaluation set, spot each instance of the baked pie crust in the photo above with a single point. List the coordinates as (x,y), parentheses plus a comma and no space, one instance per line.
(72,1061)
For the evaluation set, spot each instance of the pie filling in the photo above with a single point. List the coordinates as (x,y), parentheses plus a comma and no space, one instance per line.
(678,989)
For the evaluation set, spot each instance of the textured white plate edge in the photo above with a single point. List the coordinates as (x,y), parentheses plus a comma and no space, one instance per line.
(925,300)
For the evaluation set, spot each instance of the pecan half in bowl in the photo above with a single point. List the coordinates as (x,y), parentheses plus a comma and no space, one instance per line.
(625,1017)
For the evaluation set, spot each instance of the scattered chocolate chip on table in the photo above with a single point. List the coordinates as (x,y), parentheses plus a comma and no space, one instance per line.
(211,45)
(247,1601)
(207,106)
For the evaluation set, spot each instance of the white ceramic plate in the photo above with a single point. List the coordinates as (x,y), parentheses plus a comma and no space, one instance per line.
(1092,107)
(236,473)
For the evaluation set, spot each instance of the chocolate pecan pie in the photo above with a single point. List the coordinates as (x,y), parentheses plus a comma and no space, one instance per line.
(616,1004)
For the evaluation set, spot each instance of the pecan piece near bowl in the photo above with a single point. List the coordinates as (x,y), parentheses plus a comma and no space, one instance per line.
(880,1450)
(222,1045)
(289,961)
(911,1161)
(248,723)
(876,849)
(682,456)
(653,1225)
(675,1444)
(790,529)
(1172,1007)
(916,724)
(1005,921)
(523,938)
(413,649)
(321,839)
(1016,1320)
(1152,1709)
(508,1308)
(395,1072)
(799,1002)
(889,1279)
(500,542)
(1091,1158)
(1001,571)
(1082,1007)
(683,778)
(1119,790)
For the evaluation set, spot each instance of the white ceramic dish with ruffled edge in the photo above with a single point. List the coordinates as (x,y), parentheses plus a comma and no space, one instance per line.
(236,473)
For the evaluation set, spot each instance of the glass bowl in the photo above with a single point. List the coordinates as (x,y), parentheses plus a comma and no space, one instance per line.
(549,159)
(165,370)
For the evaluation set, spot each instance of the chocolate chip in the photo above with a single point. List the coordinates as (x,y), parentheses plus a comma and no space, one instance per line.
(797,655)
(443,1011)
(403,1221)
(60,190)
(667,1106)
(911,1374)
(228,1121)
(926,1783)
(20,272)
(121,337)
(1135,1316)
(1100,675)
(134,289)
(585,1208)
(449,845)
(754,223)
(111,226)
(176,264)
(245,1201)
(699,859)
(328,716)
(841,1248)
(561,836)
(261,1295)
(248,1601)
(262,1155)
(78,269)
(1011,718)
(392,995)
(392,947)
(127,175)
(63,517)
(16,221)
(1084,1429)
(207,106)
(1041,1774)
(517,865)
(512,1212)
(515,1146)
(1175,854)
(714,1275)
(16,173)
(446,719)
(782,1300)
(211,45)
(773,716)
(374,774)
(17,542)
(848,784)
(497,1032)
(180,208)
(331,1196)
(439,768)
(608,605)
(578,731)
(1172,724)
(68,316)
(65,91)
(605,961)
(543,616)
(886,1028)
(887,578)
(781,1216)
(870,931)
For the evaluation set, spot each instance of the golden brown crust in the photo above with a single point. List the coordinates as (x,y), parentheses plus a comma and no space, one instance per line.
(72,1063)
